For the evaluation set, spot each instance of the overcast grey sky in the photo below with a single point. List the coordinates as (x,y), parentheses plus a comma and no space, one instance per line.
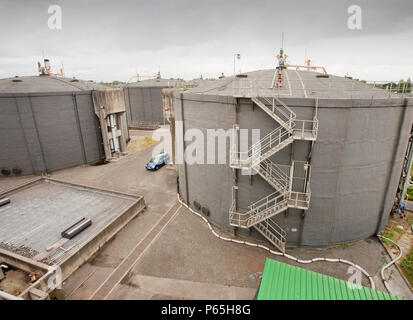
(112,40)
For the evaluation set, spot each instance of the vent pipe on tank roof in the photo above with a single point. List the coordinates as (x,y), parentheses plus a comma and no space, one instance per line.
(47,66)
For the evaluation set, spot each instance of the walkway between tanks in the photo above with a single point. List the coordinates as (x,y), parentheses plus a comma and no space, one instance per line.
(127,264)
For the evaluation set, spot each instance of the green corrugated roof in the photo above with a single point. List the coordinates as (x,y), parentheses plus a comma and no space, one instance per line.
(281,281)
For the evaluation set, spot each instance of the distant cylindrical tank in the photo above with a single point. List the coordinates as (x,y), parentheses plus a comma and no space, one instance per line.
(332,182)
(144,101)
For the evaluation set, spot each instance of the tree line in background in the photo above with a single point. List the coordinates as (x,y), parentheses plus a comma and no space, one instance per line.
(400,87)
(396,87)
(403,86)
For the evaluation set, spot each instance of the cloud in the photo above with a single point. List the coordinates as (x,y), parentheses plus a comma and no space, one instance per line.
(108,40)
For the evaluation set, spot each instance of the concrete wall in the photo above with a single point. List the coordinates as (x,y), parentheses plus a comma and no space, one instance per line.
(144,105)
(108,102)
(356,163)
(48,131)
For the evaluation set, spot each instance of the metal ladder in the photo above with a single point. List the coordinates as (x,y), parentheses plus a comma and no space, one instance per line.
(259,213)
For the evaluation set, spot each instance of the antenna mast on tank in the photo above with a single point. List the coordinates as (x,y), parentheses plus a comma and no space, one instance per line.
(46,70)
(281,57)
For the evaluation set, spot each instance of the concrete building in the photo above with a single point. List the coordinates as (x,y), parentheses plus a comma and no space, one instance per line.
(46,209)
(144,101)
(324,169)
(49,123)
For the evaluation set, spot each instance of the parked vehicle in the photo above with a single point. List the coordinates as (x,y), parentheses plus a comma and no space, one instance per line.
(158,161)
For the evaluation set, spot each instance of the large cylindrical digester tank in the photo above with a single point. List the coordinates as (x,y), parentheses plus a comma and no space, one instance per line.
(355,161)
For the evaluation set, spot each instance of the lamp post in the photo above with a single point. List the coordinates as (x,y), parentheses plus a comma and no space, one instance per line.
(236,56)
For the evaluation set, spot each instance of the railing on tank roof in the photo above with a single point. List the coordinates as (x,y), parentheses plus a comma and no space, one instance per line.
(247,88)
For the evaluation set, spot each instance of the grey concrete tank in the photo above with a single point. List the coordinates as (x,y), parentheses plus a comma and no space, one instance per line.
(47,123)
(144,101)
(355,161)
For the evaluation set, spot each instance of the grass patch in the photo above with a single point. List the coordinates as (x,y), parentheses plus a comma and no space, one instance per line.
(398,230)
(345,245)
(140,143)
(57,295)
(383,259)
(148,141)
(390,236)
(410,193)
(407,267)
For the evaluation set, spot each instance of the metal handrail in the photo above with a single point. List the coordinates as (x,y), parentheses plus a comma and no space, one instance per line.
(267,100)
(315,127)
(253,87)
(276,200)
(274,228)
(270,141)
(263,203)
(289,115)
(299,198)
(271,133)
(309,126)
(274,172)
(234,147)
(258,217)
(242,216)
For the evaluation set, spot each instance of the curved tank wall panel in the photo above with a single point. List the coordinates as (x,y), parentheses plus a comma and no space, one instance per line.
(144,105)
(144,100)
(48,131)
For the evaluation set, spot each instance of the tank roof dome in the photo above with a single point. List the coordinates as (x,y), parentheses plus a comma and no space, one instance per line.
(45,83)
(156,83)
(295,84)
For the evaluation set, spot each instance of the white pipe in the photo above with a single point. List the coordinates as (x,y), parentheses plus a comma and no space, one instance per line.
(280,253)
(390,263)
(7,296)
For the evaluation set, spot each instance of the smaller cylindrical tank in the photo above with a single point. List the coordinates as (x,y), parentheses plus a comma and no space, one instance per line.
(48,123)
(144,101)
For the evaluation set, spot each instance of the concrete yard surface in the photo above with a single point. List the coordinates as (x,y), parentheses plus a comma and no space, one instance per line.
(193,253)
(152,287)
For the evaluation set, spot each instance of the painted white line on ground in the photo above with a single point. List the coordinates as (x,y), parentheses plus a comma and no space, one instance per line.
(134,248)
(142,253)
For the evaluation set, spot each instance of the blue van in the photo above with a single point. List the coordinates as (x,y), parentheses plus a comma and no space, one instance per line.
(158,161)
